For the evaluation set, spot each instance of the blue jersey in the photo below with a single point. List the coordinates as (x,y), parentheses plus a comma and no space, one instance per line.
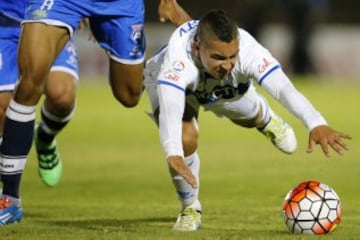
(12,12)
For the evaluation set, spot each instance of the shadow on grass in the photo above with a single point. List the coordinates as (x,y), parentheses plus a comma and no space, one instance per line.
(133,226)
(115,225)
(125,225)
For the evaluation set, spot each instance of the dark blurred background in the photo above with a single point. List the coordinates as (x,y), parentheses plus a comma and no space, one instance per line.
(303,28)
(338,11)
(308,37)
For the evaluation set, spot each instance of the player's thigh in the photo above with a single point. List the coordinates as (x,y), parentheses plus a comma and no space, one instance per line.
(38,48)
(126,78)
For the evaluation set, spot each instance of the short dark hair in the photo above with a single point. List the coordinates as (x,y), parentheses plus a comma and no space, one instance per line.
(216,22)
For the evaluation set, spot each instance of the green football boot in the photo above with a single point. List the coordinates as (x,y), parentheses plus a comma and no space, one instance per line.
(188,220)
(50,166)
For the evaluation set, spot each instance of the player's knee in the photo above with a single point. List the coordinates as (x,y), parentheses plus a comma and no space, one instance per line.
(61,100)
(60,105)
(128,99)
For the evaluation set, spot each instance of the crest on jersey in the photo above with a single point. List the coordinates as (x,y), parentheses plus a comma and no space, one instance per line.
(171,75)
(137,32)
(137,38)
(178,65)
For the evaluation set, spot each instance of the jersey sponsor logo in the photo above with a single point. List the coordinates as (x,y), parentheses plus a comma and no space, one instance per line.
(178,65)
(220,92)
(172,76)
(262,67)
(188,27)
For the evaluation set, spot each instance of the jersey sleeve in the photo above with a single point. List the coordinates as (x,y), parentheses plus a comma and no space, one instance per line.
(172,104)
(177,71)
(278,85)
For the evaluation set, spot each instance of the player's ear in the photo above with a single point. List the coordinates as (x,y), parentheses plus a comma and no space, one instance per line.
(196,47)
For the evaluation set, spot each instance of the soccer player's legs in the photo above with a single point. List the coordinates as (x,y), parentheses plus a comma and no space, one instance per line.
(10,207)
(126,82)
(18,130)
(56,112)
(123,38)
(189,218)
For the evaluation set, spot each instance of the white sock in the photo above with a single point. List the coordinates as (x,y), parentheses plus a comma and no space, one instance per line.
(186,194)
(265,111)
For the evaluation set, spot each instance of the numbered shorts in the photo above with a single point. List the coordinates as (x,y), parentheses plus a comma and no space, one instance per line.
(117,25)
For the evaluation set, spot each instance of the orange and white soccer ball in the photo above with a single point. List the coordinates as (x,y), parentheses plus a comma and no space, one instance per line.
(313,208)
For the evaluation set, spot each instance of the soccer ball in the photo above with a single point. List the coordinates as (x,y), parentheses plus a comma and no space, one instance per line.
(313,208)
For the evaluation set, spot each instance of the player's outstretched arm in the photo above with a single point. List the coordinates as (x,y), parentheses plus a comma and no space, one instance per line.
(172,11)
(326,136)
(178,166)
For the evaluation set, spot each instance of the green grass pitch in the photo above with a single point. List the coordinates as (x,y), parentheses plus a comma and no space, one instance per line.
(116,186)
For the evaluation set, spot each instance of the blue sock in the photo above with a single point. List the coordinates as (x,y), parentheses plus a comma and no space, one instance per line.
(51,124)
(17,140)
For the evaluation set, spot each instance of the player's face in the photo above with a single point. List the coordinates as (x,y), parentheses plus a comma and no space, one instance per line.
(218,58)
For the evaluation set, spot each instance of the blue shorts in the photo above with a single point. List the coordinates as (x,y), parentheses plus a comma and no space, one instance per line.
(117,25)
(67,61)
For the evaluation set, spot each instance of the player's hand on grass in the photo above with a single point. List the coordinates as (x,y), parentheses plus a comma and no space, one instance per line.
(326,136)
(177,165)
(169,10)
